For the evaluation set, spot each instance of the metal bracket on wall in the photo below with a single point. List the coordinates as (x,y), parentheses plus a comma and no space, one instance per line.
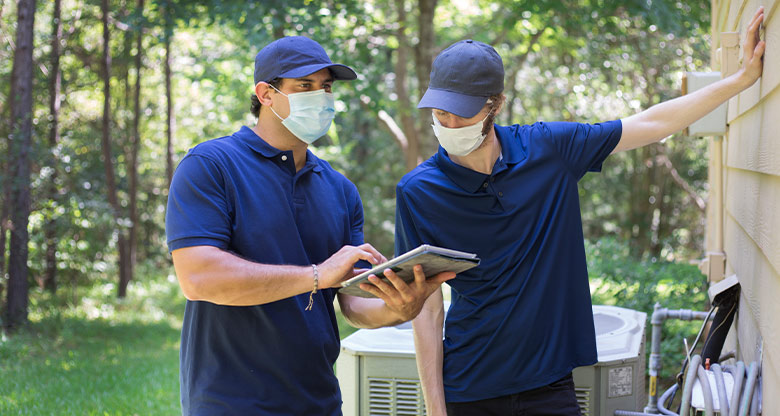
(713,265)
(729,53)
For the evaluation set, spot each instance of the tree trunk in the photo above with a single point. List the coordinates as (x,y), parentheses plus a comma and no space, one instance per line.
(169,120)
(6,200)
(412,150)
(423,57)
(55,84)
(133,162)
(20,100)
(106,145)
(4,205)
(5,196)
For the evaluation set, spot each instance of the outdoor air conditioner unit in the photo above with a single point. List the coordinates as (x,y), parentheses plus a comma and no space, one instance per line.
(378,373)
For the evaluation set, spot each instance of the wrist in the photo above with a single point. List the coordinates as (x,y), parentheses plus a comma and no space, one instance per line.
(743,79)
(396,315)
(316,286)
(327,278)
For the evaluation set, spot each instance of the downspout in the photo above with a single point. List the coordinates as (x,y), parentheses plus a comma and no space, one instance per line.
(714,263)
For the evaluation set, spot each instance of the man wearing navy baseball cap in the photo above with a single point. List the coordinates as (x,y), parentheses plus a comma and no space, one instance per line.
(261,232)
(520,322)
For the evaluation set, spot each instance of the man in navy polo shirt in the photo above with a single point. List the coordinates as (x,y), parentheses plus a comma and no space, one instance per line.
(261,233)
(521,321)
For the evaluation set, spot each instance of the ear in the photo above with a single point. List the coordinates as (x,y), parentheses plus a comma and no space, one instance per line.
(264,92)
(501,103)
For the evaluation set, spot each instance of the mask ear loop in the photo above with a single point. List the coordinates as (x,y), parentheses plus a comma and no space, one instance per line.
(488,124)
(272,109)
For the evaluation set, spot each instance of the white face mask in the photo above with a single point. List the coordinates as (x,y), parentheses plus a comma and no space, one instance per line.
(459,141)
(311,113)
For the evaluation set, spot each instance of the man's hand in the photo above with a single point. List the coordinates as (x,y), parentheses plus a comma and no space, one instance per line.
(405,300)
(752,63)
(339,266)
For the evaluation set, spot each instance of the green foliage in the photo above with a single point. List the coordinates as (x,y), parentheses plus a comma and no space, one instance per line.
(617,279)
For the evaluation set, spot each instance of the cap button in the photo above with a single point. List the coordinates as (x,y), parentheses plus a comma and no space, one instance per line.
(469,41)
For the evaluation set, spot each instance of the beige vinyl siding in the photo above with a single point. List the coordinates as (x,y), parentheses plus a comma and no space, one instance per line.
(751,170)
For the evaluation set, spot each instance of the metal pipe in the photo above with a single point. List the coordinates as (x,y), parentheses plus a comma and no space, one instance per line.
(723,400)
(685,406)
(654,366)
(739,376)
(664,397)
(706,390)
(744,404)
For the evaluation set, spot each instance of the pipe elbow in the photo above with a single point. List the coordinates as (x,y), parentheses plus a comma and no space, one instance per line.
(659,316)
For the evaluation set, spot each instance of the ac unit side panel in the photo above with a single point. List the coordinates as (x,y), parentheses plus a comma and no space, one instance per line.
(586,388)
(620,387)
(390,386)
(641,377)
(348,373)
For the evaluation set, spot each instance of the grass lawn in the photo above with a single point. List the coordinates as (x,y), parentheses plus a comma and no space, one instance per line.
(101,357)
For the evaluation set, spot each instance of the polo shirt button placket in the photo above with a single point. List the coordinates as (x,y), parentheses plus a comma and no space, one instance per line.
(484,185)
(284,158)
(500,194)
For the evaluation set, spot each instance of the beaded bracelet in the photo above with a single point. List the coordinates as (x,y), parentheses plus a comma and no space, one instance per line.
(316,285)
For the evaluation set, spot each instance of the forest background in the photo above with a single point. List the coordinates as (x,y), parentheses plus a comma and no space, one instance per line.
(100,99)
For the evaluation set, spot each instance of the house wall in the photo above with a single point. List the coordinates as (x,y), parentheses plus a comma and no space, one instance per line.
(751,197)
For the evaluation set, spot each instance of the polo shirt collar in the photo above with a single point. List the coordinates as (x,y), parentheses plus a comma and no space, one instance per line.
(256,143)
(511,147)
(470,180)
(312,162)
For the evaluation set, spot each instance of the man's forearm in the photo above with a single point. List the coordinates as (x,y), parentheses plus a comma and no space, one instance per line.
(367,313)
(664,119)
(430,356)
(214,275)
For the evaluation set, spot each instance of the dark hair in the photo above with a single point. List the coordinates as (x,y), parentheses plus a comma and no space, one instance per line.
(255,108)
(494,102)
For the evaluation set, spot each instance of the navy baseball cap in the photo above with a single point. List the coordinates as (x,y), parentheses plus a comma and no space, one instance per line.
(463,77)
(295,57)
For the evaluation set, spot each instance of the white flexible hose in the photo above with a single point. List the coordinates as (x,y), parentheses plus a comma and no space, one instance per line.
(706,391)
(743,401)
(723,399)
(739,377)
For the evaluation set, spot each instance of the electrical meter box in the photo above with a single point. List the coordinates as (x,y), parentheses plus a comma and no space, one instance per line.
(714,123)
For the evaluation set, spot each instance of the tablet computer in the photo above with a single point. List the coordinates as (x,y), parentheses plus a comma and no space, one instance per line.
(434,260)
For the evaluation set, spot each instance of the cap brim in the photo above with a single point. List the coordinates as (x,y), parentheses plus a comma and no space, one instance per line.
(462,105)
(340,72)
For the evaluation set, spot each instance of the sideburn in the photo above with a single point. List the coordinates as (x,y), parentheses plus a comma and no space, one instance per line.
(496,103)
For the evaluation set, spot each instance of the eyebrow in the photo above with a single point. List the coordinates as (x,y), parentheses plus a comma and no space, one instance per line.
(312,81)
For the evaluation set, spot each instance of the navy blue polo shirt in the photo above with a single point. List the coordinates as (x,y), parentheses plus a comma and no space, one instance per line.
(521,319)
(241,195)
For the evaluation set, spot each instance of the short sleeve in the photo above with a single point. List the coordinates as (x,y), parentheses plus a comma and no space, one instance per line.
(356,225)
(356,218)
(406,236)
(584,147)
(198,210)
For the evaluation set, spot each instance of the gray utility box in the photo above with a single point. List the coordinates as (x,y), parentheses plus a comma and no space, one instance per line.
(378,373)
